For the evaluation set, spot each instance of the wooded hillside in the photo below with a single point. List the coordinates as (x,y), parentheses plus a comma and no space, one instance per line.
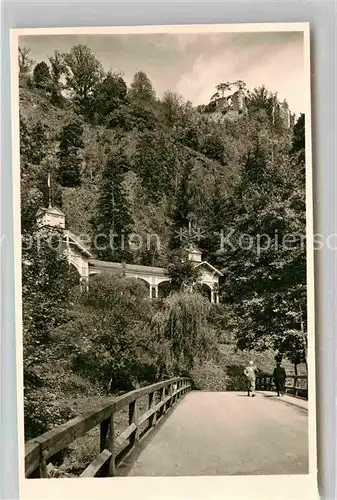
(120,158)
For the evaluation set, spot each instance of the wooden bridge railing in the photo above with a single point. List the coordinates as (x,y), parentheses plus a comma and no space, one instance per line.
(161,396)
(297,385)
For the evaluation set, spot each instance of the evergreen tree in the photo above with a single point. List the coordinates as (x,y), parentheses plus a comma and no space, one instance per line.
(113,223)
(33,143)
(155,161)
(298,140)
(37,162)
(69,155)
(42,76)
(181,213)
(142,102)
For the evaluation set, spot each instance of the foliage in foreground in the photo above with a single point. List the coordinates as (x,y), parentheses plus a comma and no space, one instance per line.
(109,340)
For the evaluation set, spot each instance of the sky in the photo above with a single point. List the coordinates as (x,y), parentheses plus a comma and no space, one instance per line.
(193,64)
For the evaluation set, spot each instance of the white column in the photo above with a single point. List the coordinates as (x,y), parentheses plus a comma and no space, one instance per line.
(150,291)
(84,284)
(156,291)
(217,298)
(212,296)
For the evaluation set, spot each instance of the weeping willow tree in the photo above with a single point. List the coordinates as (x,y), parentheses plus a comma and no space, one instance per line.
(184,322)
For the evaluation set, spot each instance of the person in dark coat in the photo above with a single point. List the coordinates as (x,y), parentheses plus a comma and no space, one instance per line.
(279,378)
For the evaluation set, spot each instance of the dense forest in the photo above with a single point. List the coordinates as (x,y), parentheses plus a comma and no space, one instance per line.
(120,158)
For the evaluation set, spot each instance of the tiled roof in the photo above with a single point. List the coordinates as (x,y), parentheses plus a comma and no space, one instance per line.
(101,264)
(77,242)
(51,210)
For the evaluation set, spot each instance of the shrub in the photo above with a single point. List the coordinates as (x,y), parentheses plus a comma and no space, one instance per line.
(184,322)
(41,75)
(209,377)
(43,412)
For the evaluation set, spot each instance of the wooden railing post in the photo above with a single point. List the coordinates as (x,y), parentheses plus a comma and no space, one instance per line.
(174,389)
(41,470)
(295,384)
(133,419)
(107,442)
(168,395)
(162,399)
(171,390)
(152,406)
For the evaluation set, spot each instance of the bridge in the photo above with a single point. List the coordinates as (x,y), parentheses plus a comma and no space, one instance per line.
(176,431)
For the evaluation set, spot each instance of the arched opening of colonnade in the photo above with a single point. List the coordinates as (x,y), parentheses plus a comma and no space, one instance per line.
(159,291)
(205,290)
(164,289)
(76,281)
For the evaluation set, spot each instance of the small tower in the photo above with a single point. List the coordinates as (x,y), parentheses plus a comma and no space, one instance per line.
(193,254)
(50,217)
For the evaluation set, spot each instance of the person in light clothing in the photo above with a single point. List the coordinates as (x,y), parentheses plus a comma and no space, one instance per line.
(250,373)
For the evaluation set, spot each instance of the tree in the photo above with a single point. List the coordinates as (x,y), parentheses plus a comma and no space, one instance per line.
(180,216)
(110,94)
(298,140)
(213,147)
(113,222)
(83,73)
(215,97)
(264,104)
(141,89)
(33,142)
(184,322)
(265,278)
(69,154)
(172,105)
(223,87)
(184,275)
(45,291)
(37,163)
(25,62)
(240,84)
(155,161)
(57,70)
(42,76)
(142,102)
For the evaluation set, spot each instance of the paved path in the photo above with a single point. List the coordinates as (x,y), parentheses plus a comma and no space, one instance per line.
(227,433)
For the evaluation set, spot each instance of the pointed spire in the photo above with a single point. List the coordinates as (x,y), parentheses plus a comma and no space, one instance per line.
(49,190)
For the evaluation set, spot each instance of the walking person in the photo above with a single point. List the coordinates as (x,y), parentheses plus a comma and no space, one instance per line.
(279,376)
(250,373)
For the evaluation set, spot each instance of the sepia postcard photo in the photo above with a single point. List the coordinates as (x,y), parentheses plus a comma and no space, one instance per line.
(164,261)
